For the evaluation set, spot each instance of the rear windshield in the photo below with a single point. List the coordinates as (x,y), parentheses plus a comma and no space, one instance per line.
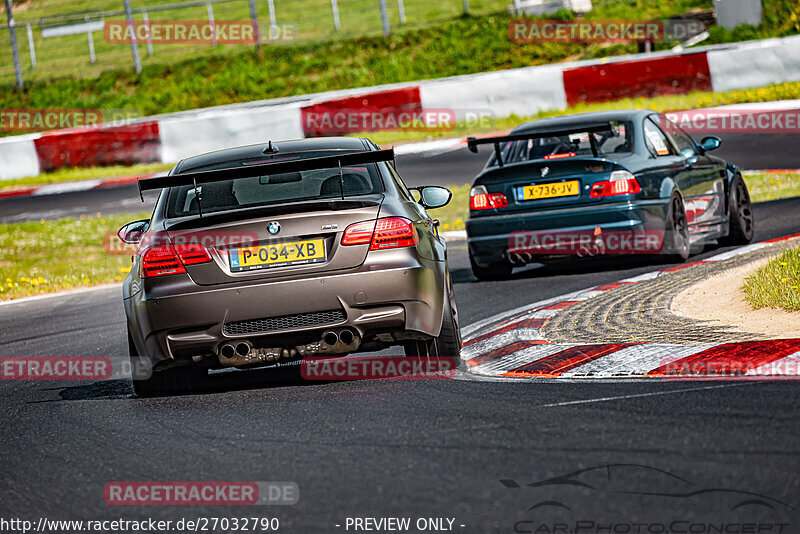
(274,189)
(618,139)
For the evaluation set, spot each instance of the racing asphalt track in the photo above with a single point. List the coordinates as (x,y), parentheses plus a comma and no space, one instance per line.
(404,448)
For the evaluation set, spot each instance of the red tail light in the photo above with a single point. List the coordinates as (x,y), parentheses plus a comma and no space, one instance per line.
(391,232)
(161,260)
(621,183)
(394,232)
(487,201)
(358,233)
(192,253)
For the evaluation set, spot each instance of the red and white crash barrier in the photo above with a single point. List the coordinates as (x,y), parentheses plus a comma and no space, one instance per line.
(523,91)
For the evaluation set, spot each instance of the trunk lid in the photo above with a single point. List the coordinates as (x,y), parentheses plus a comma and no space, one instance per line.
(543,184)
(243,248)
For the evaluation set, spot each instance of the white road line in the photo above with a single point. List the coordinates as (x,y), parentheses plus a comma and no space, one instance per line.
(639,395)
(430,148)
(517,359)
(67,187)
(455,235)
(545,314)
(642,277)
(67,293)
(635,360)
(738,252)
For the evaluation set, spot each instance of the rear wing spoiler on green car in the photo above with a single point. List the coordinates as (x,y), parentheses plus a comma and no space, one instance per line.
(473,142)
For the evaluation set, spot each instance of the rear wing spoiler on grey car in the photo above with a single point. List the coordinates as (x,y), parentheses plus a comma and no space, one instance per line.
(473,142)
(279,167)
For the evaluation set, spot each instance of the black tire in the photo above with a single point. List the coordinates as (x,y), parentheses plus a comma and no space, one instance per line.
(165,382)
(448,343)
(741,223)
(491,271)
(676,234)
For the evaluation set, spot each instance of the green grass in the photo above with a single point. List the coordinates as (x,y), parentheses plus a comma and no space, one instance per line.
(452,46)
(781,17)
(47,256)
(777,284)
(764,187)
(87,173)
(306,21)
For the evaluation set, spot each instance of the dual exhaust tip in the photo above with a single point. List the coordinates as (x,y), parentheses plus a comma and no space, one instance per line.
(229,351)
(520,259)
(331,338)
(524,258)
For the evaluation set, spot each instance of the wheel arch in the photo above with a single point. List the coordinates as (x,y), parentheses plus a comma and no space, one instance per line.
(668,187)
(732,171)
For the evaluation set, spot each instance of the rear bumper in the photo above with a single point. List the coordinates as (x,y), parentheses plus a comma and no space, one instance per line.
(401,292)
(489,236)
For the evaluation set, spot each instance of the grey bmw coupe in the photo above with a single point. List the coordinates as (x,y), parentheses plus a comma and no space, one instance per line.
(267,254)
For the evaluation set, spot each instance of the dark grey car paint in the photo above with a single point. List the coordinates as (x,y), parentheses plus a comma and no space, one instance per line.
(397,292)
(702,181)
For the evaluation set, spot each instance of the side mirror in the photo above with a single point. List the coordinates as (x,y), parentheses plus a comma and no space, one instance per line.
(710,143)
(434,196)
(132,232)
